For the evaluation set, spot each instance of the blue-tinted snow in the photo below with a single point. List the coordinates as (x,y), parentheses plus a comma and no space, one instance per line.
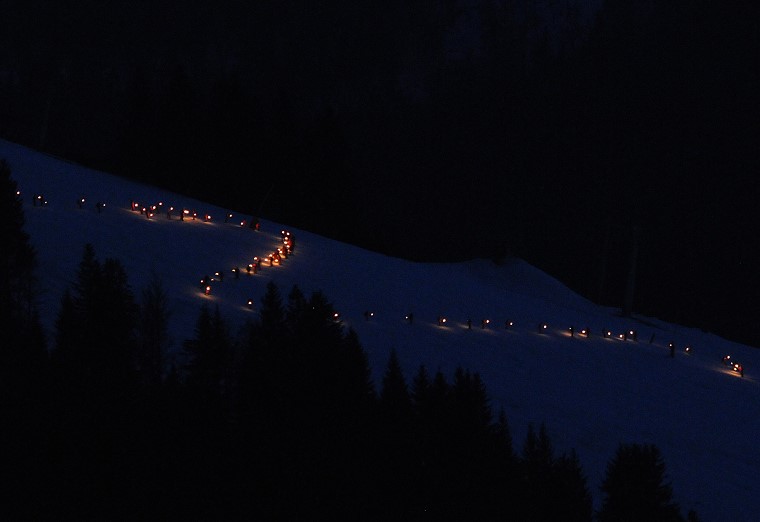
(592,393)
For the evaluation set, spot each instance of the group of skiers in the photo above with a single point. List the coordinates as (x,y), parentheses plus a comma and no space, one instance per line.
(252,268)
(733,365)
(287,247)
(628,335)
(150,211)
(39,200)
(156,209)
(274,258)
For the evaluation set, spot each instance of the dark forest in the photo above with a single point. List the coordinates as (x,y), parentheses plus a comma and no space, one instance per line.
(610,145)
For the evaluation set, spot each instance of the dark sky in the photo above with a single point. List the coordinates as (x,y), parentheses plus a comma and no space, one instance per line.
(429,130)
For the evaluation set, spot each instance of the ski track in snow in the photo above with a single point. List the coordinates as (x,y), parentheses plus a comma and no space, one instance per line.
(592,393)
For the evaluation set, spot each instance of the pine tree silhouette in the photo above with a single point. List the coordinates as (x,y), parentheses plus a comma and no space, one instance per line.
(153,333)
(420,392)
(634,487)
(501,469)
(571,494)
(23,355)
(24,363)
(537,465)
(297,306)
(95,374)
(208,355)
(358,387)
(470,401)
(395,401)
(96,331)
(272,314)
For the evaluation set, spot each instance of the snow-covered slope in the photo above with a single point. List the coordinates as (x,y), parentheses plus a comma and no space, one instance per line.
(592,393)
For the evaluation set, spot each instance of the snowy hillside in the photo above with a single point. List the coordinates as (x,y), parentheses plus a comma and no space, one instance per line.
(593,393)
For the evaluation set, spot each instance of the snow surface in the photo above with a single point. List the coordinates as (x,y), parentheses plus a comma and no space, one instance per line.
(592,393)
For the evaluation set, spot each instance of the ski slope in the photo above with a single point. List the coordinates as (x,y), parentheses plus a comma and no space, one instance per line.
(593,393)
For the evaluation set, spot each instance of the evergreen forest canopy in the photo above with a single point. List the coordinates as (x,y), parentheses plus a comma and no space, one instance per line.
(278,421)
(443,130)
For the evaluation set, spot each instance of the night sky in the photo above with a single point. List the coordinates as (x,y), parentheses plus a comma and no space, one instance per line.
(570,135)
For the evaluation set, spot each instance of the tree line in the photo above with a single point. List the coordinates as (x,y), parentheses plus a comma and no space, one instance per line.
(280,420)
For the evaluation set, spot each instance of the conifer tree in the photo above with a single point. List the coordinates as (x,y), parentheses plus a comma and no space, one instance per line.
(208,355)
(23,354)
(297,306)
(272,312)
(94,368)
(95,349)
(470,401)
(117,312)
(154,337)
(537,488)
(320,322)
(538,451)
(439,399)
(23,359)
(261,377)
(502,469)
(310,355)
(503,434)
(634,487)
(396,460)
(69,335)
(87,278)
(571,495)
(394,395)
(420,393)
(356,372)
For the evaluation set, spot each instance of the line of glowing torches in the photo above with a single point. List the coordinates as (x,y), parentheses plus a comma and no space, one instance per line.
(158,208)
(274,258)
